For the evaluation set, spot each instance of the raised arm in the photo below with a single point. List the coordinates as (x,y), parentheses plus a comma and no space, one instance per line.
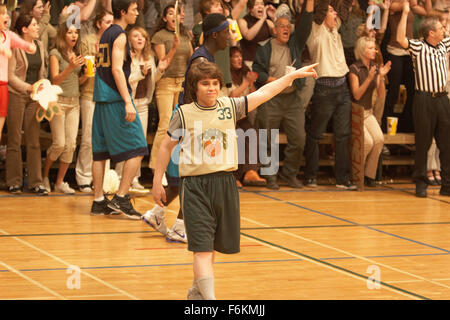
(87,10)
(250,33)
(304,25)
(430,11)
(343,9)
(396,6)
(18,42)
(417,9)
(321,10)
(401,29)
(266,92)
(385,17)
(238,8)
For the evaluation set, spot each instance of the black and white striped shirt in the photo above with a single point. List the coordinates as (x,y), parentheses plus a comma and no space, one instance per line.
(430,64)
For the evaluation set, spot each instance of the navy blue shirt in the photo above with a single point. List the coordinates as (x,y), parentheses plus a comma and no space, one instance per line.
(200,52)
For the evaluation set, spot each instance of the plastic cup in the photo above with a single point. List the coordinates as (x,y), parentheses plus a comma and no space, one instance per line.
(392,125)
(90,62)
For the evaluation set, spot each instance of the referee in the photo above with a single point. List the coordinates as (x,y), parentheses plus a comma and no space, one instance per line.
(431,105)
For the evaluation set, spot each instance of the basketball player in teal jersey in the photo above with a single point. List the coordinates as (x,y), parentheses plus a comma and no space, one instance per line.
(117,132)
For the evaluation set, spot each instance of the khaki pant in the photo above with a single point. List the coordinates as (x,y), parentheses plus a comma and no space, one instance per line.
(373,143)
(83,168)
(166,93)
(378,107)
(64,130)
(22,113)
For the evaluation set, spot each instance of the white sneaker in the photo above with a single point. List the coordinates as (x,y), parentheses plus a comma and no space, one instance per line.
(164,181)
(136,187)
(64,188)
(177,233)
(46,184)
(156,219)
(135,184)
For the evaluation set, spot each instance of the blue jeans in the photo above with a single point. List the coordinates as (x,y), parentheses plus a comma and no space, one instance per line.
(330,103)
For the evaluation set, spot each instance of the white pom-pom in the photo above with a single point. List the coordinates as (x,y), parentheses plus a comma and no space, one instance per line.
(111,182)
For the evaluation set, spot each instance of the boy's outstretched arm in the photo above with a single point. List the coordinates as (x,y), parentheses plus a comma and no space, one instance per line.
(164,153)
(271,89)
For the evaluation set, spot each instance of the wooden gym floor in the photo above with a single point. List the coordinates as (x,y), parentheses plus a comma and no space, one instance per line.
(317,243)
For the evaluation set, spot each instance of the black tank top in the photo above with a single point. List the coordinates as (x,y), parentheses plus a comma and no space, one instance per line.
(249,47)
(104,56)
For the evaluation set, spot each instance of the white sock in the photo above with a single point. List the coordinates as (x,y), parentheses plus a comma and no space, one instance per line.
(206,287)
(99,199)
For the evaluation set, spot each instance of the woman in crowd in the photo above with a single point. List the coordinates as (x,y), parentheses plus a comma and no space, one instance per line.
(23,71)
(65,67)
(88,47)
(41,12)
(348,31)
(255,27)
(176,50)
(366,76)
(8,40)
(143,77)
(243,80)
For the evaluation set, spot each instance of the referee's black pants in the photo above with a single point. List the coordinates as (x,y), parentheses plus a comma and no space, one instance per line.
(432,119)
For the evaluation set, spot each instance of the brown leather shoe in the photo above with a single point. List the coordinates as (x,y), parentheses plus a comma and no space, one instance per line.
(252,178)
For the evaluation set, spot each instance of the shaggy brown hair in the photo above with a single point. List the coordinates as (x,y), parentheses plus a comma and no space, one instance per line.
(198,72)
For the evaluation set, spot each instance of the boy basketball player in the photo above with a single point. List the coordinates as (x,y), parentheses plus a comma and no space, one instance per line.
(116,130)
(209,197)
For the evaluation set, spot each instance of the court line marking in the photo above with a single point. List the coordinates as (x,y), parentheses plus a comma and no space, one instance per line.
(372,262)
(339,250)
(326,201)
(162,265)
(244,228)
(321,262)
(354,223)
(68,265)
(176,212)
(432,197)
(238,261)
(37,283)
(335,268)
